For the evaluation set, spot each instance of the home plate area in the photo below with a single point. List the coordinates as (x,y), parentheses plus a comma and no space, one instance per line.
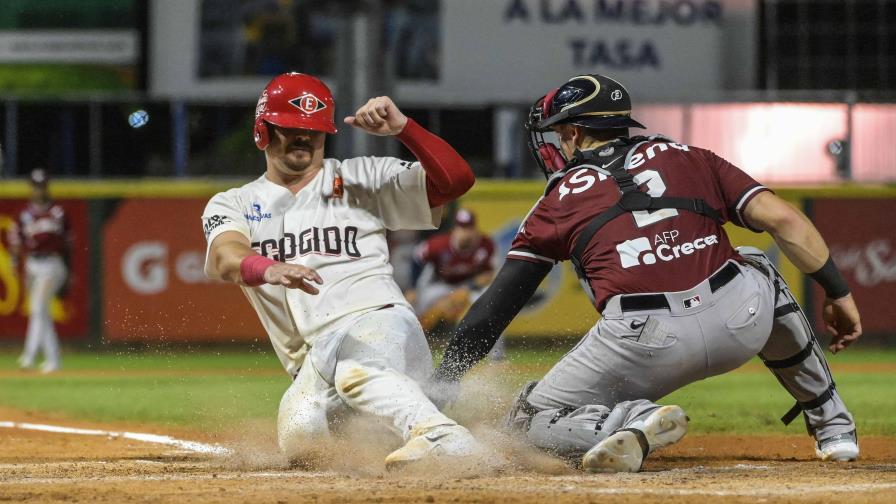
(98,465)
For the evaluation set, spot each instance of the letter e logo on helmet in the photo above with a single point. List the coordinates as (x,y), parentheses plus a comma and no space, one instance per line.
(308,103)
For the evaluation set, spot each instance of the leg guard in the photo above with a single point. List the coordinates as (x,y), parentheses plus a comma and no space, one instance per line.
(570,432)
(797,360)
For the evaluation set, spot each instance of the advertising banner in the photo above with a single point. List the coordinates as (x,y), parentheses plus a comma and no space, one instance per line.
(69,313)
(463,52)
(154,285)
(658,49)
(863,243)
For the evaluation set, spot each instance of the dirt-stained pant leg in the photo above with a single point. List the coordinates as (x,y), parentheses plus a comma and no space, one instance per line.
(798,362)
(632,357)
(306,410)
(381,363)
(375,367)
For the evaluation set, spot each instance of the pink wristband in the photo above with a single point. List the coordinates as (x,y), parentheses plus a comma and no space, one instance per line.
(252,269)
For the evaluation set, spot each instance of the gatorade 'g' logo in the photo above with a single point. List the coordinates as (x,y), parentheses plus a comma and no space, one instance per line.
(308,103)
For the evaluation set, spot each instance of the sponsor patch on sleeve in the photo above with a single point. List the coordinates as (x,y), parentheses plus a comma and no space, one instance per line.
(210,223)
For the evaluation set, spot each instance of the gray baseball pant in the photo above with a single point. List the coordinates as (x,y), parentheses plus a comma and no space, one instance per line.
(632,357)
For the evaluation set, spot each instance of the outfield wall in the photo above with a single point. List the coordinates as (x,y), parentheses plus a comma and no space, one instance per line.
(140,249)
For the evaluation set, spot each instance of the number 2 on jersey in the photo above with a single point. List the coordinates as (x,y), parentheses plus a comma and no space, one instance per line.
(655,187)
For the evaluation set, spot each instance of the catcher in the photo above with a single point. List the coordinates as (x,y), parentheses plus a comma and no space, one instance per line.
(641,220)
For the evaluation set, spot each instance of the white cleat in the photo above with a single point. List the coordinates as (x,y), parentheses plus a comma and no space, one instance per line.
(444,441)
(840,448)
(626,449)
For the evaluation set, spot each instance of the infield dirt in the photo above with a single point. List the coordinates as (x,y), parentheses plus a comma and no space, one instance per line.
(51,467)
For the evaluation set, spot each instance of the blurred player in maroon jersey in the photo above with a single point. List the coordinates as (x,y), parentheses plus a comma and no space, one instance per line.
(641,220)
(450,270)
(42,237)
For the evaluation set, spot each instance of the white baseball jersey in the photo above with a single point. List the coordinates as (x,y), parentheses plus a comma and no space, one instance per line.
(343,239)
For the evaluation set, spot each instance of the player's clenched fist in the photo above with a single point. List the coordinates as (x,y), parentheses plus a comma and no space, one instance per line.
(293,276)
(379,116)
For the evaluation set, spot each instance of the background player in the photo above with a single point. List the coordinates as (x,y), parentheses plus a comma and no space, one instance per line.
(678,302)
(449,271)
(42,236)
(307,243)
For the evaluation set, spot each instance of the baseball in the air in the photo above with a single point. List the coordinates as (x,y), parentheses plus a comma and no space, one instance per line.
(138,118)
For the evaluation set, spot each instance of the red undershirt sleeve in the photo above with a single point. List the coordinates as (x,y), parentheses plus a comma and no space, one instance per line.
(448,176)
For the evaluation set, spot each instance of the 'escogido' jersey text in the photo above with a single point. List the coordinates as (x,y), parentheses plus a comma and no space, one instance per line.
(343,239)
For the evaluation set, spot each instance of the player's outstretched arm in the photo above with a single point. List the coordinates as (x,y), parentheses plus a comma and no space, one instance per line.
(448,176)
(235,261)
(489,316)
(803,245)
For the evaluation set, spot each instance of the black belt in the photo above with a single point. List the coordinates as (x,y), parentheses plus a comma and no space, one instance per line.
(636,302)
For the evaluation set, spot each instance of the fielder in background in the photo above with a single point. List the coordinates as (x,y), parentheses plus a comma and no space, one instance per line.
(641,220)
(42,237)
(306,241)
(449,271)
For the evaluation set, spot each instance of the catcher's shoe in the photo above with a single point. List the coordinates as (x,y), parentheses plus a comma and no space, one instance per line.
(626,449)
(442,441)
(840,448)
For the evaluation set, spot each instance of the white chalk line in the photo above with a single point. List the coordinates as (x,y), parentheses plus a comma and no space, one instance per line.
(160,477)
(192,446)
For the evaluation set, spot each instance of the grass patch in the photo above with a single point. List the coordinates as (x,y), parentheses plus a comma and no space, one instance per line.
(213,389)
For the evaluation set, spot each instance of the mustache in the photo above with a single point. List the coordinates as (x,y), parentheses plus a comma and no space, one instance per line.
(301,144)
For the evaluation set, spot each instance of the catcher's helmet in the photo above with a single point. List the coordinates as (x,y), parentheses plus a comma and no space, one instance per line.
(593,101)
(294,100)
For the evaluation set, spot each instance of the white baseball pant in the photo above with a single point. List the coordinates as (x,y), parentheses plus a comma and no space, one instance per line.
(373,365)
(44,276)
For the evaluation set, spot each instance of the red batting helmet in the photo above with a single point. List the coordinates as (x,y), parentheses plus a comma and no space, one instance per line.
(294,100)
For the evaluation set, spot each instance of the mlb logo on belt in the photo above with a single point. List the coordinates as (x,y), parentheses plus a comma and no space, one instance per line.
(691,302)
(308,103)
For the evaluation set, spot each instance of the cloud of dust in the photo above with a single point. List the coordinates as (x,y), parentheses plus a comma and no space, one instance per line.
(360,444)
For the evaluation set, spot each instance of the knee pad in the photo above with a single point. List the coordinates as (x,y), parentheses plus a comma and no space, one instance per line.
(568,432)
